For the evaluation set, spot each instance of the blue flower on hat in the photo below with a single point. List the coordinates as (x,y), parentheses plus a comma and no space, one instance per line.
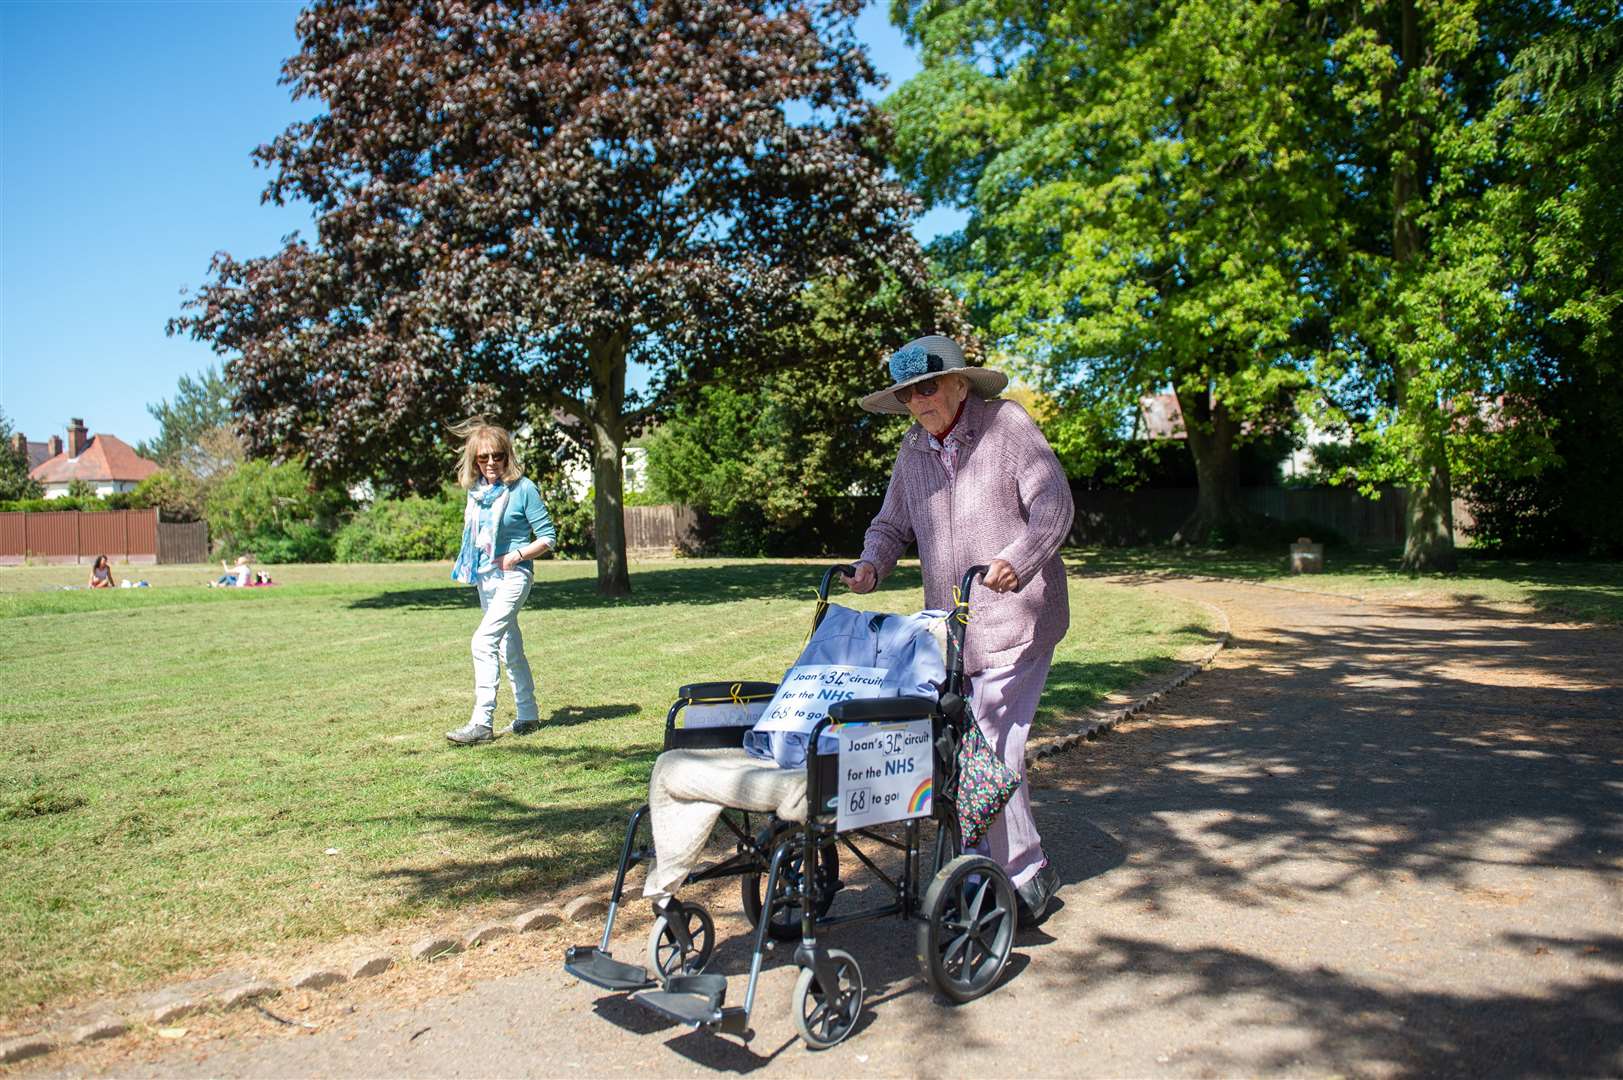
(908,362)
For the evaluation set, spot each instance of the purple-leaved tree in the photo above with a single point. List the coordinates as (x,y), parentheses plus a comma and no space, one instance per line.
(516,201)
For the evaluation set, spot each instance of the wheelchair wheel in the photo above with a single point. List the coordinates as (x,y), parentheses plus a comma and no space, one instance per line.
(824,1016)
(966,942)
(785,924)
(666,957)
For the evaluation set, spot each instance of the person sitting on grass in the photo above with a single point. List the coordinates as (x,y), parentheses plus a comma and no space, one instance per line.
(101,573)
(235,576)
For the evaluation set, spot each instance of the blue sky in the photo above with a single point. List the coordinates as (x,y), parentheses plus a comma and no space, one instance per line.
(125,130)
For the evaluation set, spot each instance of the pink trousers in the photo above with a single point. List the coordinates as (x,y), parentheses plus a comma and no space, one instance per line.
(1005,702)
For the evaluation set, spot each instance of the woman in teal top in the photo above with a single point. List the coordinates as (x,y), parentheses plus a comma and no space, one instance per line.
(505,525)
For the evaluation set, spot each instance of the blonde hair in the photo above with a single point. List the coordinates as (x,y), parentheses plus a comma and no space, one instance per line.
(478,436)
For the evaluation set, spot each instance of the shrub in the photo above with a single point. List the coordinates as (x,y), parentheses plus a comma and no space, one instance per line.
(68,502)
(274,512)
(573,520)
(404,530)
(415,528)
(299,542)
(178,495)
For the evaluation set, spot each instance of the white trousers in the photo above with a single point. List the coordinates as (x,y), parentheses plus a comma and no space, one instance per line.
(498,644)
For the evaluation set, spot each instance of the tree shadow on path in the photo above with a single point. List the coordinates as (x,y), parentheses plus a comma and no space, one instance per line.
(1467,760)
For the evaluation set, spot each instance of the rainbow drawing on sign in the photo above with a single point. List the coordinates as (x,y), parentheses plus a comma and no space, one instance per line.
(920,802)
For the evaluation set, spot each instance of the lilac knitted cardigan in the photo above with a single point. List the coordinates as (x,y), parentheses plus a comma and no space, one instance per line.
(1010,501)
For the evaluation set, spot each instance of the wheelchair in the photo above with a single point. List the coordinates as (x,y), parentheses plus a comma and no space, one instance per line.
(962,908)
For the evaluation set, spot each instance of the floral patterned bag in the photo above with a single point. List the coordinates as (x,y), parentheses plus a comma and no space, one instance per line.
(985,784)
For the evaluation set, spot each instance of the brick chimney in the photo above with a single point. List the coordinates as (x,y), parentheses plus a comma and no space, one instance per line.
(53,445)
(19,444)
(78,437)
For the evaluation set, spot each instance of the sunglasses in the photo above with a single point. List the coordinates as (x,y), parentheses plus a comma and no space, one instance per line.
(494,459)
(923,389)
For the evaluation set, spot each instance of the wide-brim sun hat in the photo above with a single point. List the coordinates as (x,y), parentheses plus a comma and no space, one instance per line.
(926,358)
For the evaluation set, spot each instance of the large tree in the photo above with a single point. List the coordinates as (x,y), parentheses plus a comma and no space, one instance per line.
(1556,223)
(518,201)
(1430,292)
(189,422)
(1144,204)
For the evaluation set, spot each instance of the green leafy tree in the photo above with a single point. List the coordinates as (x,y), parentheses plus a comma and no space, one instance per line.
(1429,369)
(15,483)
(177,494)
(190,426)
(404,530)
(275,511)
(1146,206)
(1557,222)
(516,201)
(1560,218)
(196,447)
(780,432)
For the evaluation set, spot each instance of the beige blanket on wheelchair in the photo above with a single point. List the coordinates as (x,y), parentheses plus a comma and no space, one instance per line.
(689,790)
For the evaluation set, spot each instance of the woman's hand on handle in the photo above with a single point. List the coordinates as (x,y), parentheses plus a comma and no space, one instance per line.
(863,580)
(1000,577)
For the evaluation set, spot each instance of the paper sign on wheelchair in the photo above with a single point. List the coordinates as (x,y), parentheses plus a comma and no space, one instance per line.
(886,773)
(806,693)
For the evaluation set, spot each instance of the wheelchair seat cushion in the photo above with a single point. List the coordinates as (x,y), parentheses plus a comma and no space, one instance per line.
(687,793)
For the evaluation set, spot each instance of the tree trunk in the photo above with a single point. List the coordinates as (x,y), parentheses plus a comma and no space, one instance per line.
(1219,516)
(608,473)
(1428,540)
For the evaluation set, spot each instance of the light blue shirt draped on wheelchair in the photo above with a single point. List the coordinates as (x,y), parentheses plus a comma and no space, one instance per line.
(904,647)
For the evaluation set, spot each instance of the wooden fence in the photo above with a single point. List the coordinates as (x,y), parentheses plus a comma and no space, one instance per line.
(75,536)
(1152,515)
(183,542)
(662,530)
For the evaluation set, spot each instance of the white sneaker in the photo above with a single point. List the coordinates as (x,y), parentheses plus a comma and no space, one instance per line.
(470,734)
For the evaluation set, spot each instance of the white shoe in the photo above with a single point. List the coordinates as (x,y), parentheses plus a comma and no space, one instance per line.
(470,734)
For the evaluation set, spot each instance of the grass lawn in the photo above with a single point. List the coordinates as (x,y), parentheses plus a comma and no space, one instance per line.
(1574,589)
(193,773)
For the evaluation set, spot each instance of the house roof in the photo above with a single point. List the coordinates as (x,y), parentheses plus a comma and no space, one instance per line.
(107,458)
(38,454)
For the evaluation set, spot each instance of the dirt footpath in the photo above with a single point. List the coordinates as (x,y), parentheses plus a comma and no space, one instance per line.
(1371,841)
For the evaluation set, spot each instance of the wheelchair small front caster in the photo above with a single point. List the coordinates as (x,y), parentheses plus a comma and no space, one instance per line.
(824,1016)
(685,953)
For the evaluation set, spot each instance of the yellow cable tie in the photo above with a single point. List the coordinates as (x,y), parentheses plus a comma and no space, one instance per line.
(817,617)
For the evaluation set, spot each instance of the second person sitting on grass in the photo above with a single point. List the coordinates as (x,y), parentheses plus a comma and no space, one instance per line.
(504,525)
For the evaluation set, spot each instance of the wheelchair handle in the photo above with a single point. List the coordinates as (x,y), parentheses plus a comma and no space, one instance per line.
(828,578)
(957,627)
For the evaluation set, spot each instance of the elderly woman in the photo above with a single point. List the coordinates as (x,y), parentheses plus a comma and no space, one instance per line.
(976,483)
(504,526)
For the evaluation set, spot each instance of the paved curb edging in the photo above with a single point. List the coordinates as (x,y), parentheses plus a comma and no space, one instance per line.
(183,1000)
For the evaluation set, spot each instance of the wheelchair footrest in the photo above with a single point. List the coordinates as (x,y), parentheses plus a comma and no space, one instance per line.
(695,1000)
(590,964)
